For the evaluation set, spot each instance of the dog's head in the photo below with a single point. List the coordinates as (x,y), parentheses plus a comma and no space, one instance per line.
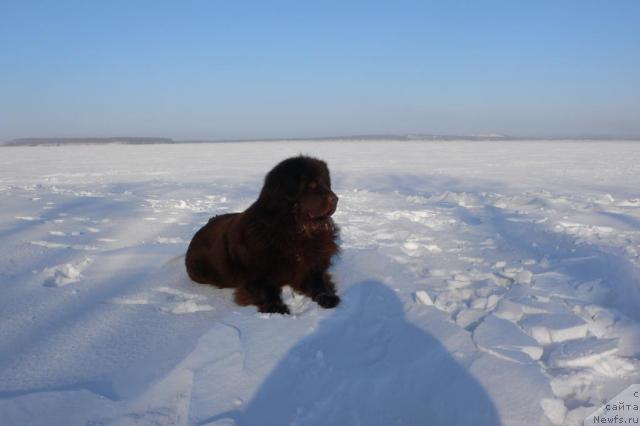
(302,185)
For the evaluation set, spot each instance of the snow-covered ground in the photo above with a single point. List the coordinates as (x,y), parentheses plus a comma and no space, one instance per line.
(482,283)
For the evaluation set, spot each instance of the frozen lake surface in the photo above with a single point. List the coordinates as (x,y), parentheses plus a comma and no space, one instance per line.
(482,283)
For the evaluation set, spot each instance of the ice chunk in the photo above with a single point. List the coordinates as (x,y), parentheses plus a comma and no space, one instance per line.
(511,273)
(509,310)
(493,300)
(506,340)
(554,409)
(601,323)
(524,277)
(515,309)
(479,303)
(501,280)
(553,328)
(582,353)
(423,297)
(433,248)
(466,317)
(459,281)
(635,202)
(462,278)
(555,284)
(437,272)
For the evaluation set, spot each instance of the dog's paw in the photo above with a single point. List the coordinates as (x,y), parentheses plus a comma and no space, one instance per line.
(276,308)
(327,300)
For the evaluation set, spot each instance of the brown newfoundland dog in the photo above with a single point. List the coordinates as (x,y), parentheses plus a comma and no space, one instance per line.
(286,237)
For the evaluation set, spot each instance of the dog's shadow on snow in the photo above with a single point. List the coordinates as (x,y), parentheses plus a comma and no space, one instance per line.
(366,365)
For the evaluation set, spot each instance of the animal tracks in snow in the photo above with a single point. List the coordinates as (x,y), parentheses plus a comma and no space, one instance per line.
(169,300)
(64,274)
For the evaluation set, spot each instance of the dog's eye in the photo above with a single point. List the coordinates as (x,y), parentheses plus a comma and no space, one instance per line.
(313,185)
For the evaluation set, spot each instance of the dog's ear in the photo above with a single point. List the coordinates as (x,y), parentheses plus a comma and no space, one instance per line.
(325,174)
(282,187)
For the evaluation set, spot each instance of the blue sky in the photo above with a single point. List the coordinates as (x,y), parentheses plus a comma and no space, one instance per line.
(236,69)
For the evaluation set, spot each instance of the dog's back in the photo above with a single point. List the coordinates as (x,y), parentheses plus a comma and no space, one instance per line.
(207,259)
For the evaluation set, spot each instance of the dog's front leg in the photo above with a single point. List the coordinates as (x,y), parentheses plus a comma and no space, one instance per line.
(319,287)
(266,297)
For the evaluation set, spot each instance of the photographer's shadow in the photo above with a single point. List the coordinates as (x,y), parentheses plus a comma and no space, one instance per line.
(366,365)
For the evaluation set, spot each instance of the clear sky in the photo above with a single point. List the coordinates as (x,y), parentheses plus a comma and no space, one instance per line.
(239,69)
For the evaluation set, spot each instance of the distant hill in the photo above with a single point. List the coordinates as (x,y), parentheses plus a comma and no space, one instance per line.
(86,141)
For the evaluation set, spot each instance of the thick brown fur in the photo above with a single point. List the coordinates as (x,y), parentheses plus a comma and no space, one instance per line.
(286,237)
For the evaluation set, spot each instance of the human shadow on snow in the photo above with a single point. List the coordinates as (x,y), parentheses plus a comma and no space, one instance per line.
(366,365)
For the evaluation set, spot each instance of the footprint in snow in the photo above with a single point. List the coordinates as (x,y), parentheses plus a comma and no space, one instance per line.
(168,300)
(27,218)
(51,245)
(65,274)
(169,240)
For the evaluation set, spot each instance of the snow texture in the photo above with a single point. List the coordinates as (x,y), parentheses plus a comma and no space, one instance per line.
(482,283)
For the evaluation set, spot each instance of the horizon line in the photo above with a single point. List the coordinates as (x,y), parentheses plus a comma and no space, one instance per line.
(364,136)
